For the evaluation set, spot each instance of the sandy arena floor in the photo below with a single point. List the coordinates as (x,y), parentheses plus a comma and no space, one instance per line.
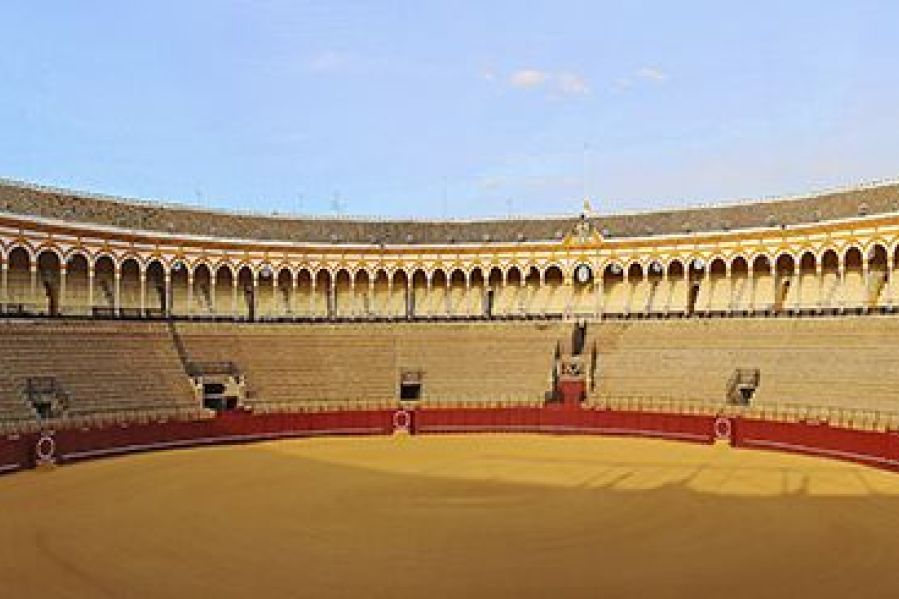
(456,516)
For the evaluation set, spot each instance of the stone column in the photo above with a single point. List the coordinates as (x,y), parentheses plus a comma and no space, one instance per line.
(117,289)
(841,274)
(32,299)
(143,292)
(60,304)
(168,292)
(4,282)
(213,305)
(190,292)
(90,288)
(819,275)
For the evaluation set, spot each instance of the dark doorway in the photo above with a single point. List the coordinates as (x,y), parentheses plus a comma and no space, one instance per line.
(410,391)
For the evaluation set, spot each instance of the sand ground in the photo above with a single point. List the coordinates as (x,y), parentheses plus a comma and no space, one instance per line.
(453,516)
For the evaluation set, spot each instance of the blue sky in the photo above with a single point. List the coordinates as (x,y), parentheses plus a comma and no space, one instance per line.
(454,108)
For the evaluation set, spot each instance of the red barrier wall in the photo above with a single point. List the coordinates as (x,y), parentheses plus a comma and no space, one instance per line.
(866,447)
(564,420)
(872,448)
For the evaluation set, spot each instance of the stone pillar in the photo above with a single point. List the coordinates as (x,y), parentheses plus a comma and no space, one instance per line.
(190,292)
(275,309)
(819,277)
(750,272)
(708,286)
(116,289)
(332,298)
(90,288)
(33,293)
(61,300)
(213,305)
(168,292)
(841,275)
(143,292)
(4,281)
(312,296)
(235,285)
(866,284)
(254,297)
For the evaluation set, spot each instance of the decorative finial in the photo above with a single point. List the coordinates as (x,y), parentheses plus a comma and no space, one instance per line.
(588,209)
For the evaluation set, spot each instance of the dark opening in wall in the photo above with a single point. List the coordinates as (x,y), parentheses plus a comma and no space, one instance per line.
(410,391)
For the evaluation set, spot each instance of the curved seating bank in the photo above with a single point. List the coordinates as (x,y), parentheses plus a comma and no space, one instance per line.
(113,312)
(873,448)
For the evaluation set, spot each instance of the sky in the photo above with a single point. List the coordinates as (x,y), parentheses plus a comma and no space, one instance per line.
(448,109)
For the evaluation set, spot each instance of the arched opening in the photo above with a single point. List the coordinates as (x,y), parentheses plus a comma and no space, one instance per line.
(18,281)
(655,289)
(457,290)
(363,297)
(418,300)
(493,291)
(785,267)
(156,293)
(104,286)
(343,293)
(381,297)
(510,299)
(762,284)
(179,294)
(854,289)
(553,282)
(613,289)
(807,293)
(48,267)
(265,292)
(201,292)
(324,296)
(830,280)
(739,278)
(678,288)
(400,304)
(878,276)
(696,293)
(529,296)
(304,295)
(284,294)
(719,287)
(637,290)
(223,296)
(246,294)
(439,293)
(129,288)
(76,291)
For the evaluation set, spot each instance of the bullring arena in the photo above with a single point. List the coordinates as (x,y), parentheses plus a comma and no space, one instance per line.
(701,400)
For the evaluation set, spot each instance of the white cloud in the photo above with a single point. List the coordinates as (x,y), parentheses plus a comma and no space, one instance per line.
(528,78)
(652,74)
(564,83)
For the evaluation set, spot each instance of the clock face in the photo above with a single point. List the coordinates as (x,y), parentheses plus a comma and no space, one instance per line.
(582,274)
